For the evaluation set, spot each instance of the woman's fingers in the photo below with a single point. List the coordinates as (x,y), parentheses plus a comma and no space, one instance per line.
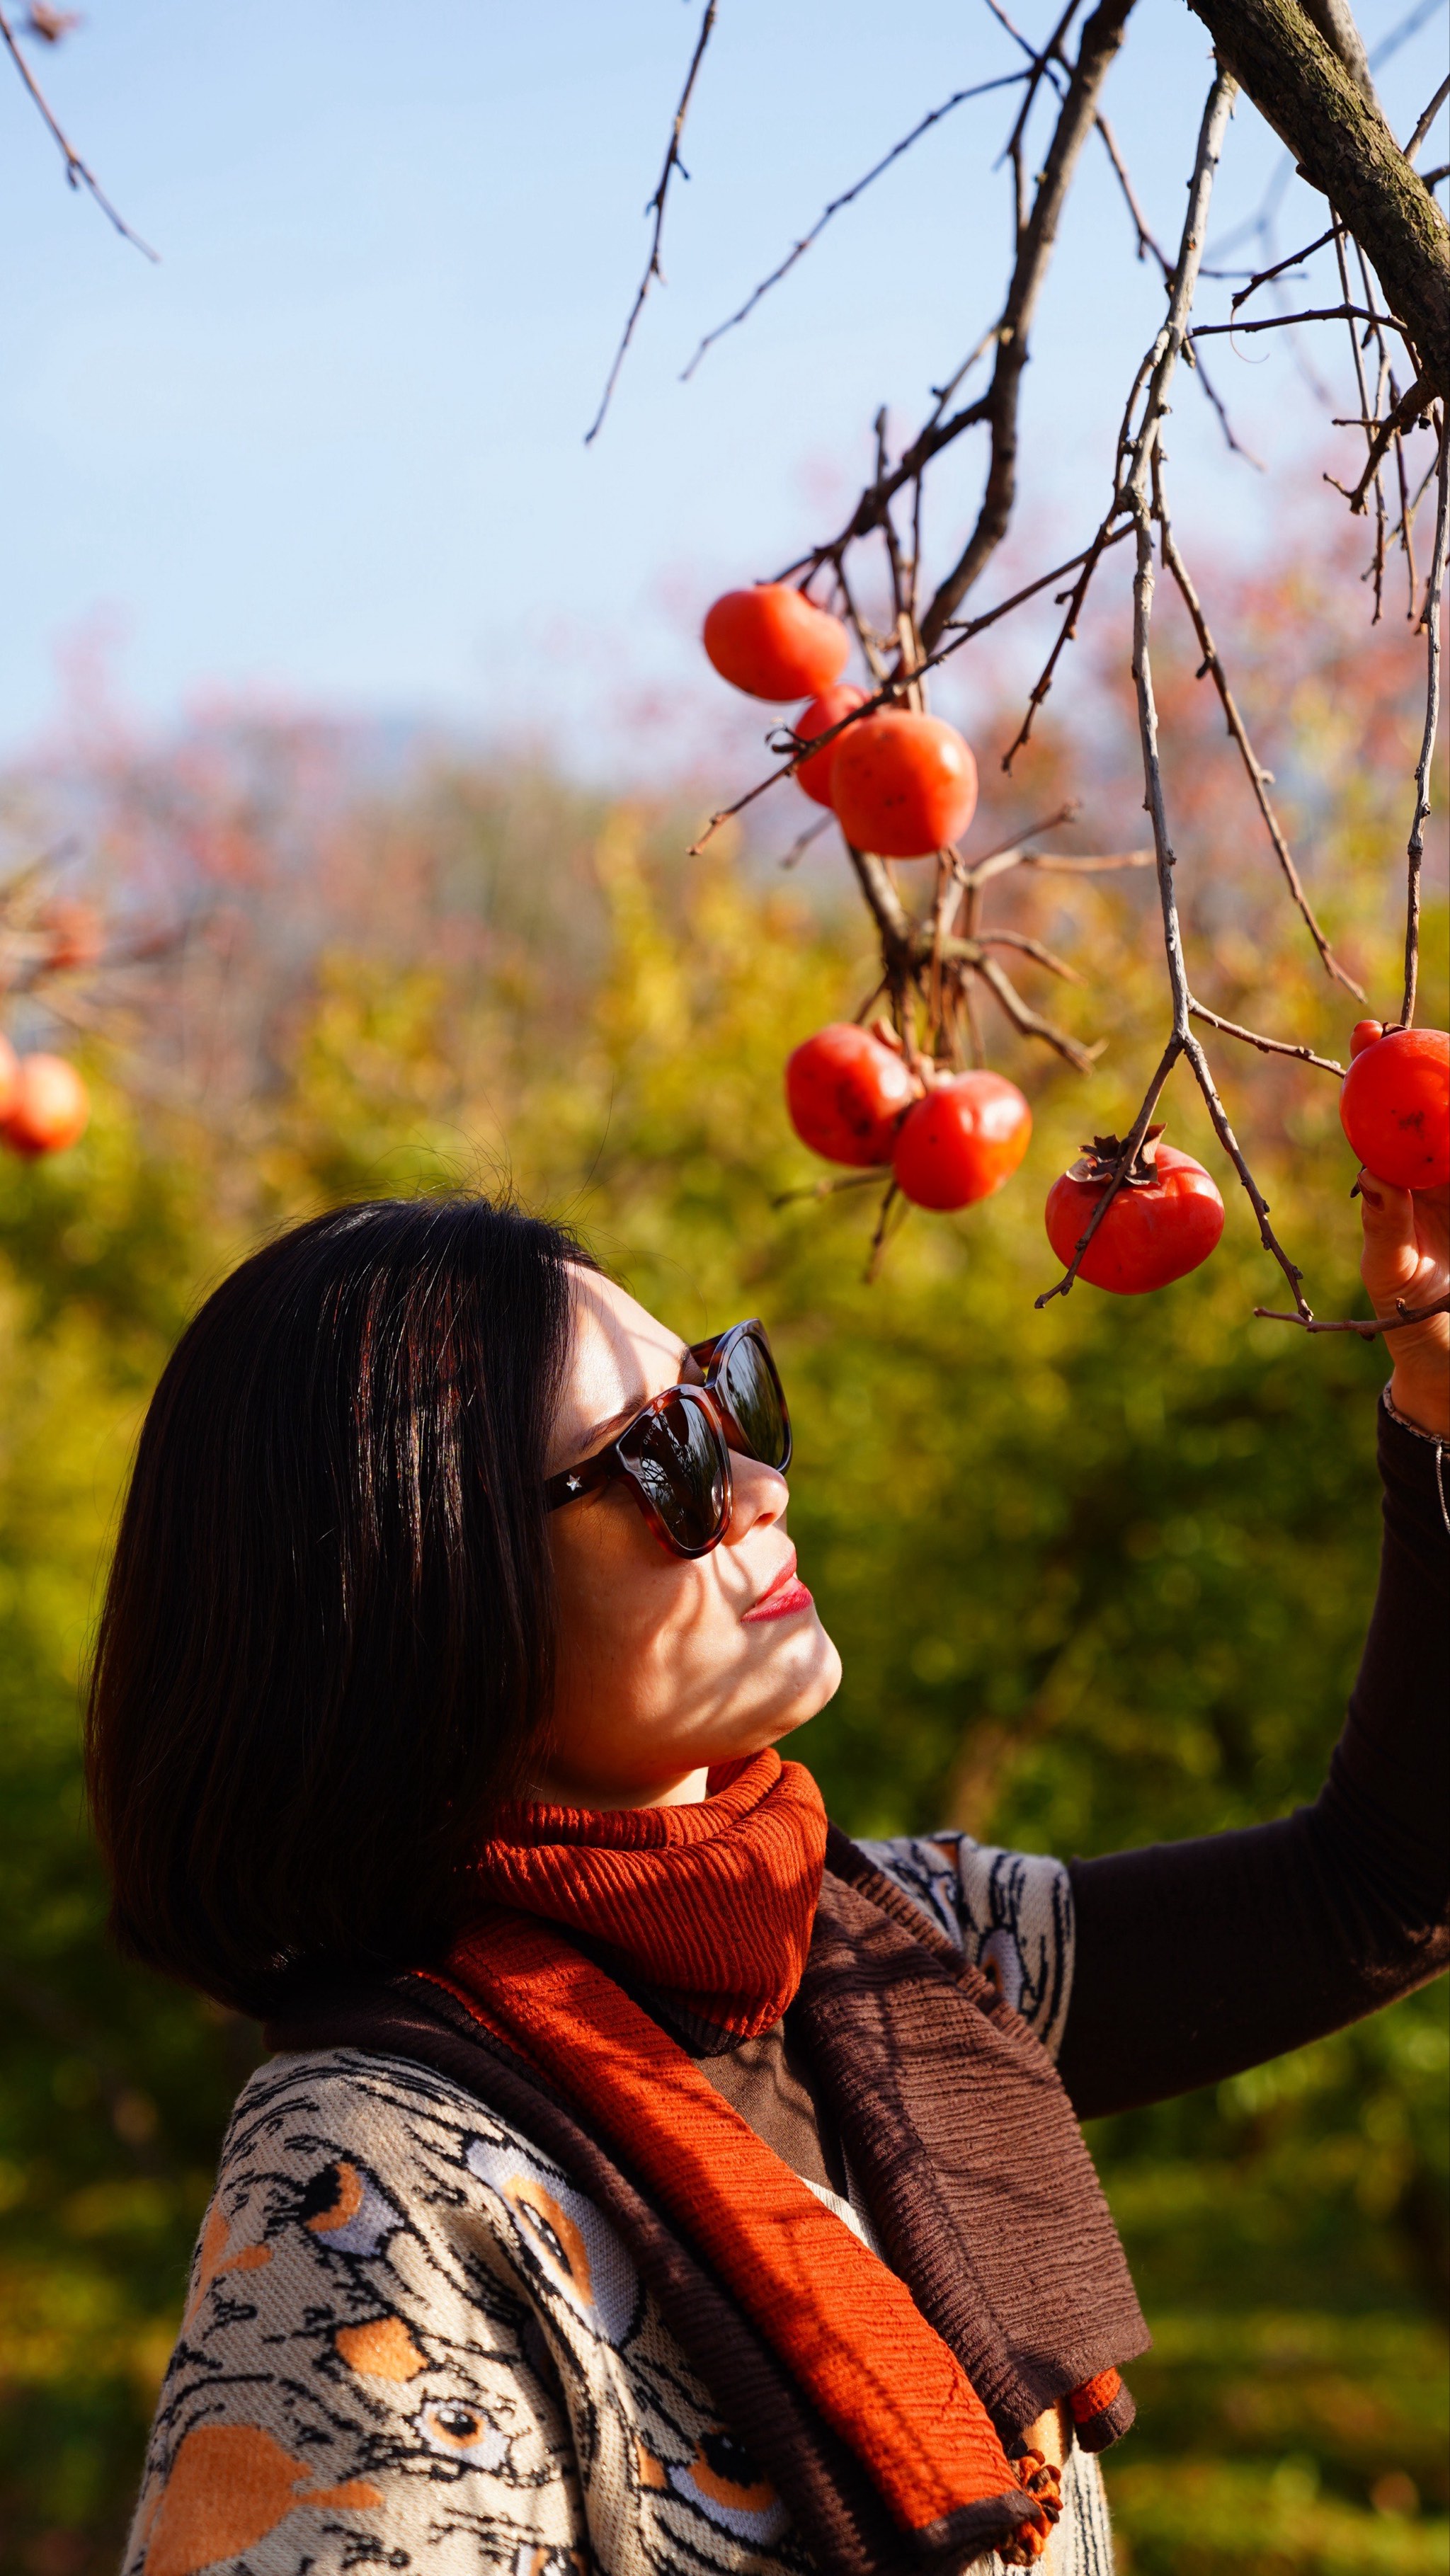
(1407,1255)
(1392,1257)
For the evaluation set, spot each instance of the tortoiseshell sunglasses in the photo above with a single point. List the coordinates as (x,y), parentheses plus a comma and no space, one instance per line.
(675,1454)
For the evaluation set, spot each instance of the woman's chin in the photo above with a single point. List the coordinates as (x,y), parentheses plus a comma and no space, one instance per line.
(811,1674)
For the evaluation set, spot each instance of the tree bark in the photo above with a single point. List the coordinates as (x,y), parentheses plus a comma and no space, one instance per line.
(1344,147)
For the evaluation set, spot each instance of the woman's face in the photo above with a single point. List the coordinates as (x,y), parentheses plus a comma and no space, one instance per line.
(666,1663)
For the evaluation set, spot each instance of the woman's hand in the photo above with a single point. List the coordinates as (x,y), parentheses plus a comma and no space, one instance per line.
(1407,1254)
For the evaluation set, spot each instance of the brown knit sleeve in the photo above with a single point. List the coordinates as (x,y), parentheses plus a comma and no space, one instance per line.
(1195,1959)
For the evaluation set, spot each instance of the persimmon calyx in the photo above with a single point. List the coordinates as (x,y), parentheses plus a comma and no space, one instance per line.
(1099,1160)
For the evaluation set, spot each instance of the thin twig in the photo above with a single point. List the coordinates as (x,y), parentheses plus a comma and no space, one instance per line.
(1030,1024)
(1397,419)
(1010,852)
(1040,69)
(1308,1323)
(1258,776)
(656,207)
(1087,867)
(1231,437)
(1265,274)
(1140,494)
(872,655)
(1404,531)
(890,690)
(1266,1046)
(947,896)
(1006,80)
(828,1189)
(1286,321)
(802,843)
(1031,948)
(884,904)
(78,174)
(963,628)
(1146,241)
(1428,119)
(1415,850)
(1065,635)
(1102,36)
(1371,472)
(877,497)
(878,1239)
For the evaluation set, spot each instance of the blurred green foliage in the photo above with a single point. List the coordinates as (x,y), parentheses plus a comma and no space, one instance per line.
(1099,1574)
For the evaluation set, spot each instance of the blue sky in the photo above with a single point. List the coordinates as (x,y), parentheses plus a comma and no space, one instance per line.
(330,449)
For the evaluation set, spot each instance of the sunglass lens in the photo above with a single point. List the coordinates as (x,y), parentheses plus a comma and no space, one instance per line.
(676,1459)
(751,1393)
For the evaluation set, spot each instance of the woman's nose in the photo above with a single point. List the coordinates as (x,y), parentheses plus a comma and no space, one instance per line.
(761,1496)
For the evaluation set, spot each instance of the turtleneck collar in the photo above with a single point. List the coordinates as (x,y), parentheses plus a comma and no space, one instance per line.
(710,1905)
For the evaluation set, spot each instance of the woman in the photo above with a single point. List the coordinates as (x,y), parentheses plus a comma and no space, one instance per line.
(647,2177)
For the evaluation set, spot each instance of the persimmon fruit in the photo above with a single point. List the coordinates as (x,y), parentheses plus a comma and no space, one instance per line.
(1395,1105)
(1162,1224)
(773,642)
(49,1107)
(846,1092)
(9,1069)
(903,785)
(814,775)
(962,1141)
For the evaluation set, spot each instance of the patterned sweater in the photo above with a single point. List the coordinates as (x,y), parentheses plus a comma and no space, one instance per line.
(411,2343)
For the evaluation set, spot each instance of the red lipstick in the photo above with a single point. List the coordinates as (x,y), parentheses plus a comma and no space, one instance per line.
(782,1598)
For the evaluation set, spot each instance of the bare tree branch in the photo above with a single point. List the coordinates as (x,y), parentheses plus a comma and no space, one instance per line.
(1146,241)
(1033,948)
(1066,633)
(1350,1324)
(1335,23)
(1141,494)
(803,841)
(1007,80)
(1280,265)
(1258,776)
(1029,1023)
(1343,146)
(78,174)
(656,207)
(1266,1046)
(1428,119)
(1415,851)
(1400,417)
(1087,867)
(890,690)
(1288,321)
(1101,38)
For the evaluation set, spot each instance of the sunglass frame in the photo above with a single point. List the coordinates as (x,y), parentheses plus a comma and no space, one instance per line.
(609,1464)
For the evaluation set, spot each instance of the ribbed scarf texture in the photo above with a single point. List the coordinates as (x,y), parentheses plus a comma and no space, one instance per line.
(713,1907)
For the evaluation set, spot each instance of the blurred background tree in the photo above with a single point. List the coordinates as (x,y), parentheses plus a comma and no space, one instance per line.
(1099,1575)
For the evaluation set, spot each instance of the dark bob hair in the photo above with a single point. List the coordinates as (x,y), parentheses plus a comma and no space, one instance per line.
(327,1646)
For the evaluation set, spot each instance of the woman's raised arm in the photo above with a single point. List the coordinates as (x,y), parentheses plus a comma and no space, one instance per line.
(1195,1959)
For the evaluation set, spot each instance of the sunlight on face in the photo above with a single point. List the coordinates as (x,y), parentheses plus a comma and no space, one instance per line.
(662,1668)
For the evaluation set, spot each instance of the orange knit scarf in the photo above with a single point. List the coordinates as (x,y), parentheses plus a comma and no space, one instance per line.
(713,1905)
